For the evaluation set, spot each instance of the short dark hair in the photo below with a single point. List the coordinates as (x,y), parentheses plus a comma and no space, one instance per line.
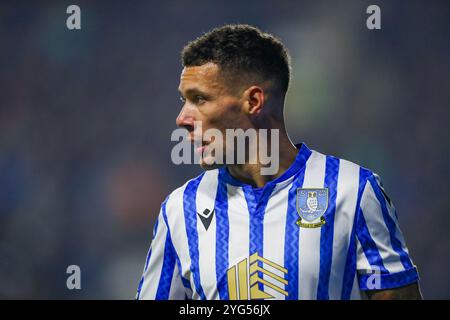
(239,49)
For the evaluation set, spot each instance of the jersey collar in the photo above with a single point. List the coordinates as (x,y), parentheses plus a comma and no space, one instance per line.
(298,164)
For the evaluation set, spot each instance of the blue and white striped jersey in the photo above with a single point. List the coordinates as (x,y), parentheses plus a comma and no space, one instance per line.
(324,229)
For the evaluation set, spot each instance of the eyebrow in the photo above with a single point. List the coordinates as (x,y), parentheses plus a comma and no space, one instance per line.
(194,91)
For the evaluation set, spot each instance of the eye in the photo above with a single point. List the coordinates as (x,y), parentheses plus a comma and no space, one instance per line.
(198,99)
(182,99)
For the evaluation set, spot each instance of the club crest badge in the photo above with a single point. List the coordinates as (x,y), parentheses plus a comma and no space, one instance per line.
(311,206)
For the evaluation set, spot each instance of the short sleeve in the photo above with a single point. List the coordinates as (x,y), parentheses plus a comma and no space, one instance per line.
(383,260)
(161,279)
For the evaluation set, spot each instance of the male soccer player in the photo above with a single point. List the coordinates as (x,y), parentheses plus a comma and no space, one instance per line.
(318,228)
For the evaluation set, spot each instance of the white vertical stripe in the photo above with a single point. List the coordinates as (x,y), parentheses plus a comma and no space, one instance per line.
(238,217)
(393,215)
(274,235)
(206,196)
(177,290)
(153,272)
(378,230)
(356,292)
(346,198)
(398,232)
(309,254)
(177,225)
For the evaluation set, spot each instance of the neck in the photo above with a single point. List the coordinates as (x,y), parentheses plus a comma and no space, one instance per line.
(250,173)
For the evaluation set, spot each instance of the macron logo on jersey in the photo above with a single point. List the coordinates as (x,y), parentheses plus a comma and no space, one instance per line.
(206,217)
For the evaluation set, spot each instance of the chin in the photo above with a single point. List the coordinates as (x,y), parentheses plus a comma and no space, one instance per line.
(206,166)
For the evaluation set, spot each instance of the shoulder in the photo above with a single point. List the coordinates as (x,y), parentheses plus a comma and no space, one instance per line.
(188,192)
(367,184)
(346,169)
(350,180)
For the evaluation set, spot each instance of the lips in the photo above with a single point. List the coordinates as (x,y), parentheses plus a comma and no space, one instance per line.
(200,150)
(199,145)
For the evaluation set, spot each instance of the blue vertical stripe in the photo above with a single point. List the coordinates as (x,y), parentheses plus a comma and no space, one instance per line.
(222,239)
(165,279)
(292,238)
(190,217)
(185,282)
(292,231)
(257,207)
(155,229)
(255,231)
(327,230)
(368,244)
(350,267)
(141,282)
(255,226)
(390,224)
(139,288)
(350,264)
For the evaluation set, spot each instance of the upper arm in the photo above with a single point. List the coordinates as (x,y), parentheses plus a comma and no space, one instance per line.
(409,292)
(161,279)
(383,261)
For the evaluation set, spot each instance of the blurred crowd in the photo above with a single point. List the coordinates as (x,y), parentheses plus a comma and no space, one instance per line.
(86,118)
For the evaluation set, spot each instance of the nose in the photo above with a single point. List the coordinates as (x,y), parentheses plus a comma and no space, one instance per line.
(185,120)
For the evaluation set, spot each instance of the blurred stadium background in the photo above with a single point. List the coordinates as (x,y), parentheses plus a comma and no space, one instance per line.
(86,118)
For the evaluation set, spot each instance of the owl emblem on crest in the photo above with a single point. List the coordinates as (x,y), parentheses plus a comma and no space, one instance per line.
(311,201)
(311,207)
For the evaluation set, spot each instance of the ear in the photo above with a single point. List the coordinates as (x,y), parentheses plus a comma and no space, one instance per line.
(254,99)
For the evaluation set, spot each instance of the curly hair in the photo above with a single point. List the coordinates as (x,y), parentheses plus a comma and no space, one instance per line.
(241,50)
